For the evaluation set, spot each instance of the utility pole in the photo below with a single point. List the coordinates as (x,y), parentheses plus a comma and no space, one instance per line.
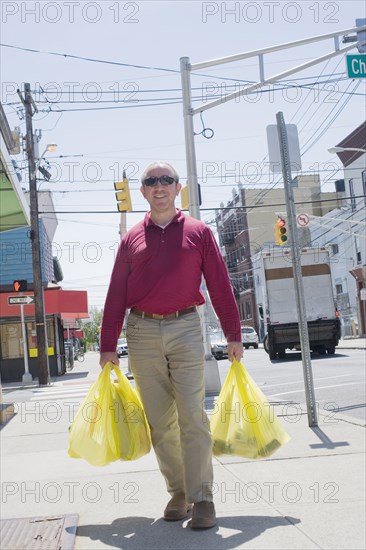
(296,266)
(30,109)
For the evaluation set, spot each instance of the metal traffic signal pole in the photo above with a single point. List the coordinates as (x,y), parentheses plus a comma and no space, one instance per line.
(36,253)
(212,376)
(188,111)
(194,205)
(296,266)
(27,377)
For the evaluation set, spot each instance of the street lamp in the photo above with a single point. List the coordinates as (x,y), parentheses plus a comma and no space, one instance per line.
(51,147)
(333,150)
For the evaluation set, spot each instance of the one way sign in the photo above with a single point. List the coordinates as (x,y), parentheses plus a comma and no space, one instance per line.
(19,300)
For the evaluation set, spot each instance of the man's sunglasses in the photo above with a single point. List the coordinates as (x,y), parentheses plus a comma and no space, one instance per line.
(164,180)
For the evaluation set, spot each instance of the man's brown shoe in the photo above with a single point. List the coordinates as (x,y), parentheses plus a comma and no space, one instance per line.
(177,507)
(203,515)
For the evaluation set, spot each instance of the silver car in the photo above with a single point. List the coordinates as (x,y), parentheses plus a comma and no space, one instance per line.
(122,348)
(249,337)
(218,345)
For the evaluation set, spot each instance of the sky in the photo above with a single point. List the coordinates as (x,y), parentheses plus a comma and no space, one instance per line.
(105,77)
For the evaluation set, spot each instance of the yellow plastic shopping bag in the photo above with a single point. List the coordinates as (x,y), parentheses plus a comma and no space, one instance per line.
(244,423)
(110,424)
(132,412)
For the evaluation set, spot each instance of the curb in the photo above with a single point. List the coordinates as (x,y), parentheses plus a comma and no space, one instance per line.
(351,347)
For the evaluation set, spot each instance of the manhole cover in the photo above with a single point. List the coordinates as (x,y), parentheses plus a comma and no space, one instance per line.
(39,533)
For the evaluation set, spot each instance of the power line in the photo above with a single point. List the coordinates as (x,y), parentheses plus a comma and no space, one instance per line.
(139,103)
(342,221)
(118,63)
(203,209)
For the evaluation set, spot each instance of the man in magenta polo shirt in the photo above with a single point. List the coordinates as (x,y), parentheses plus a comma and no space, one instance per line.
(157,276)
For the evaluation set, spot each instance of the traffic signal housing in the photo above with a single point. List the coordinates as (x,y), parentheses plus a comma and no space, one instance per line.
(184,196)
(280,232)
(20,285)
(123,195)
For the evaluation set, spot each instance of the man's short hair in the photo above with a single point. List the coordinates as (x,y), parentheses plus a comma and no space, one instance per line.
(157,164)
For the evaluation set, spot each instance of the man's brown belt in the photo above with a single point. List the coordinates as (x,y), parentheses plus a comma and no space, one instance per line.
(159,317)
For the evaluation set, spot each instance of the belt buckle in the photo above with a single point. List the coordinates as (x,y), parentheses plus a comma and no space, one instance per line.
(157,316)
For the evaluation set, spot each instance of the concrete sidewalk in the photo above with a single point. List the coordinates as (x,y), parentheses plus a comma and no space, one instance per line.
(346,343)
(309,494)
(352,343)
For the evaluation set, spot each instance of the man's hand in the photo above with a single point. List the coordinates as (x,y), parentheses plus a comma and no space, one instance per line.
(108,356)
(235,350)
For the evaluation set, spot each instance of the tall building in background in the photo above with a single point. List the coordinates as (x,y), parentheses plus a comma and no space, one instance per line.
(245,225)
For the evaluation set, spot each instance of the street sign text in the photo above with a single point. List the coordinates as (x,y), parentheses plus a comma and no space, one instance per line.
(18,300)
(356,65)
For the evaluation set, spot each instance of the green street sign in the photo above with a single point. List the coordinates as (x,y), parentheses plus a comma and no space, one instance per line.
(356,65)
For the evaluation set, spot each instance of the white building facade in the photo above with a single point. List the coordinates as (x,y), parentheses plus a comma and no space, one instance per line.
(345,230)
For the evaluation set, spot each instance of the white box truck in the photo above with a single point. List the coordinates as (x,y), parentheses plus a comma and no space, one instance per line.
(276,301)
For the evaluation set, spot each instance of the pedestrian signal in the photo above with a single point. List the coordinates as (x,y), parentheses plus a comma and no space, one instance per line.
(20,285)
(280,232)
(123,195)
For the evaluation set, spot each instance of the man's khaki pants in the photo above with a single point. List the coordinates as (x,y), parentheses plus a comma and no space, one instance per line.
(167,361)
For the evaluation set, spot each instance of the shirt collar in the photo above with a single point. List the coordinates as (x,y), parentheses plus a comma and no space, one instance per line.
(178,218)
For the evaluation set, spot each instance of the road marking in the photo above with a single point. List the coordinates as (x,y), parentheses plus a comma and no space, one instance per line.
(318,388)
(52,395)
(44,389)
(58,392)
(65,397)
(264,385)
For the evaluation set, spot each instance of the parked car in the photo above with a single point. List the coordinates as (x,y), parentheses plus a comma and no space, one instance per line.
(218,345)
(249,337)
(122,348)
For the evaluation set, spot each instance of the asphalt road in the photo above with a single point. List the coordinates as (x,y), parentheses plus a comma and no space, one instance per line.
(339,380)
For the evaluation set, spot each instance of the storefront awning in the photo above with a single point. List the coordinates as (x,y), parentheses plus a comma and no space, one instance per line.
(69,304)
(359,273)
(14,210)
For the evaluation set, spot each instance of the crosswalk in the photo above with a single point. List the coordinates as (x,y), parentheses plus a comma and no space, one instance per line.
(56,393)
(64,391)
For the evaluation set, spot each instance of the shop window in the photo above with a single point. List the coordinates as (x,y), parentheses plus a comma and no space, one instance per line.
(352,195)
(248,308)
(32,338)
(358,250)
(11,341)
(51,333)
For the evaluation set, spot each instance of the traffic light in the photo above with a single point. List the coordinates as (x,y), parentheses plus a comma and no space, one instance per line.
(20,285)
(123,195)
(184,197)
(280,232)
